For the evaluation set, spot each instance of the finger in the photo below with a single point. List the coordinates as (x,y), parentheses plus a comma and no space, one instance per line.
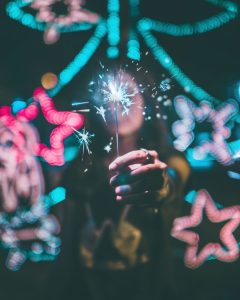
(153,171)
(133,157)
(146,198)
(149,168)
(138,187)
(121,179)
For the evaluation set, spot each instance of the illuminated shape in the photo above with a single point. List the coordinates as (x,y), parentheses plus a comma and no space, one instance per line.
(113,26)
(145,27)
(25,220)
(165,85)
(65,122)
(108,147)
(190,115)
(193,256)
(76,14)
(118,91)
(17,105)
(101,111)
(84,139)
(49,81)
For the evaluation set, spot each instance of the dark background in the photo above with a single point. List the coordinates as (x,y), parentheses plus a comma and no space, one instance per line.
(211,60)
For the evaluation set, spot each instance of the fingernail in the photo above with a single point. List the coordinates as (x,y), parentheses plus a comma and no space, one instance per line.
(123,189)
(119,198)
(112,180)
(112,166)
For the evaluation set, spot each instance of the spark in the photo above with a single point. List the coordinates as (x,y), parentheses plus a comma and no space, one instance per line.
(101,111)
(168,102)
(118,90)
(101,65)
(84,139)
(108,147)
(165,85)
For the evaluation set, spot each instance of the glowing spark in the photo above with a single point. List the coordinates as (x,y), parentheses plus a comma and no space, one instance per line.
(101,111)
(108,147)
(116,89)
(84,139)
(165,85)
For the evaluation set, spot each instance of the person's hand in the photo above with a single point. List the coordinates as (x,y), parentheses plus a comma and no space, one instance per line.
(138,176)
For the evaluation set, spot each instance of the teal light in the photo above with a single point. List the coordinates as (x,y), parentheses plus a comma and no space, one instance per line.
(70,153)
(203,164)
(113,26)
(190,197)
(81,59)
(17,105)
(133,46)
(234,147)
(16,12)
(145,27)
(166,61)
(57,195)
(112,52)
(134,7)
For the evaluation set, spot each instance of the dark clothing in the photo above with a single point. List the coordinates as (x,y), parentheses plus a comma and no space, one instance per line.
(124,251)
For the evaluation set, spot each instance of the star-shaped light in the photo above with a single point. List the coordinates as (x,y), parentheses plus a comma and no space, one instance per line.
(193,257)
(65,121)
(190,115)
(75,14)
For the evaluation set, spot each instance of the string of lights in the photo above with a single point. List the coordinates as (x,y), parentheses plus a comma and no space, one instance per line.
(145,27)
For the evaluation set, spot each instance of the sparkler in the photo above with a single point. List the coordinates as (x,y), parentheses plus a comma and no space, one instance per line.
(101,111)
(84,139)
(118,90)
(80,106)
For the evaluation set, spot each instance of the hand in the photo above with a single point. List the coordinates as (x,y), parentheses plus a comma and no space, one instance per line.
(137,177)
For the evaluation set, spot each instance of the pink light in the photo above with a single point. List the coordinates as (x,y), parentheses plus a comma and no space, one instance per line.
(65,120)
(76,14)
(193,257)
(20,173)
(191,114)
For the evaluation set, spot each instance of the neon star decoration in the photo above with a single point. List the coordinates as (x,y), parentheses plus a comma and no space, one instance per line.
(194,257)
(28,231)
(76,15)
(144,27)
(75,19)
(205,144)
(65,121)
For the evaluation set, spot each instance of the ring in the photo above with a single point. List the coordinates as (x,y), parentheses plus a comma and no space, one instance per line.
(149,156)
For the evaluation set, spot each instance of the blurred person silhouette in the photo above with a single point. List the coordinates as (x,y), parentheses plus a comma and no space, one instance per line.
(125,205)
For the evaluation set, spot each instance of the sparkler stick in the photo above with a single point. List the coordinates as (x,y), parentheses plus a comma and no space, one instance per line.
(116,120)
